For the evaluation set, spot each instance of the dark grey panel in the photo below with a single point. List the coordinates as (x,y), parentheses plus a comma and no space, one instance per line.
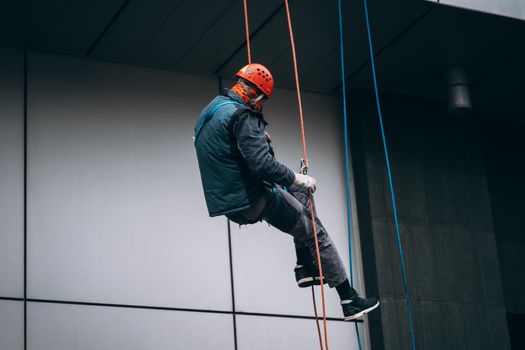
(502,87)
(311,42)
(389,317)
(211,44)
(505,152)
(432,325)
(27,22)
(412,45)
(403,327)
(497,324)
(480,212)
(79,24)
(451,260)
(382,238)
(410,197)
(424,263)
(179,32)
(408,254)
(454,323)
(468,265)
(447,178)
(5,8)
(226,35)
(385,30)
(417,60)
(137,24)
(489,266)
(269,42)
(476,326)
(446,251)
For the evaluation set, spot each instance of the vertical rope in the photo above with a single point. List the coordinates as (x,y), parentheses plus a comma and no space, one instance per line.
(347,159)
(305,158)
(317,319)
(389,171)
(247,32)
(297,87)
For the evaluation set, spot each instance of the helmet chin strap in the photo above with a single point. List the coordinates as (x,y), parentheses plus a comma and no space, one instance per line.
(253,101)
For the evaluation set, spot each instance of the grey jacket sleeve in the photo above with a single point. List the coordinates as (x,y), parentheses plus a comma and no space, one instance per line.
(251,141)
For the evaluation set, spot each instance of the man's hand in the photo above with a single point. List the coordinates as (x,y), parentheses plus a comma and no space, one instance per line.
(305,181)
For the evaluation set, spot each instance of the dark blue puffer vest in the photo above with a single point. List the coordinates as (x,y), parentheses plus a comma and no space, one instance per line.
(228,184)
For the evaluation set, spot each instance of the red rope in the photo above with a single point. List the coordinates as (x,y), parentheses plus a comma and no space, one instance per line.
(317,319)
(296,81)
(247,33)
(310,199)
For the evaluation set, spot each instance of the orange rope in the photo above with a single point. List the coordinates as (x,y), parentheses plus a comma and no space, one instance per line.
(310,199)
(247,32)
(296,81)
(317,319)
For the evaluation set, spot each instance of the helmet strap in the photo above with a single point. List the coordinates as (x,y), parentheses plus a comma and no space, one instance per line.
(249,91)
(255,101)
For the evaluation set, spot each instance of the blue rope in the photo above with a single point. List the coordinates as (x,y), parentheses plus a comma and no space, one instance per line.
(380,115)
(347,161)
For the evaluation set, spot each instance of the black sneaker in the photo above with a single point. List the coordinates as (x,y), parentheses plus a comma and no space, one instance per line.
(357,307)
(305,277)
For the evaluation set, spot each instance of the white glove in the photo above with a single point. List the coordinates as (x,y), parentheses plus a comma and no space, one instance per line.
(305,181)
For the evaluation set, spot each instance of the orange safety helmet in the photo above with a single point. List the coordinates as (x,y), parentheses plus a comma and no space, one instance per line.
(258,75)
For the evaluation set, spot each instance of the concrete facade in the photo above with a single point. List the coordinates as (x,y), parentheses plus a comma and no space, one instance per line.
(445,222)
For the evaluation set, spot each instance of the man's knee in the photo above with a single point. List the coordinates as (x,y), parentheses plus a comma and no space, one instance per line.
(285,211)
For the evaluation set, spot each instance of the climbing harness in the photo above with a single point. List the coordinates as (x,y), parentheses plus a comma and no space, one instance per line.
(389,171)
(347,159)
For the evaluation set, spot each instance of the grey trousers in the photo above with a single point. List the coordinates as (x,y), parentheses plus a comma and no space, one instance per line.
(289,212)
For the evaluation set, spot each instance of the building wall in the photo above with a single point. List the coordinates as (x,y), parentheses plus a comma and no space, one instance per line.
(445,222)
(11,198)
(505,157)
(120,250)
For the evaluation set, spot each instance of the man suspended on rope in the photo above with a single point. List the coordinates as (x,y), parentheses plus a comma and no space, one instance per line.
(243,180)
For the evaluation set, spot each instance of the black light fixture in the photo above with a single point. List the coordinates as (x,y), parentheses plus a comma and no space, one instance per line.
(458,91)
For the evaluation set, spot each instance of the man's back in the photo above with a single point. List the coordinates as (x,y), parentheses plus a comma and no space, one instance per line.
(226,180)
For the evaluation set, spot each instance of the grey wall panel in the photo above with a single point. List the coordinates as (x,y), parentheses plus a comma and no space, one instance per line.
(116,210)
(273,333)
(61,327)
(11,325)
(11,172)
(263,256)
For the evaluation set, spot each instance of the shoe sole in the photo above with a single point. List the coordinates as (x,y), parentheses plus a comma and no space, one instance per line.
(309,281)
(359,314)
(306,282)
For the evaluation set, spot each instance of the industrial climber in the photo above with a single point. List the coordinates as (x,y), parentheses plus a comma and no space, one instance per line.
(243,180)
